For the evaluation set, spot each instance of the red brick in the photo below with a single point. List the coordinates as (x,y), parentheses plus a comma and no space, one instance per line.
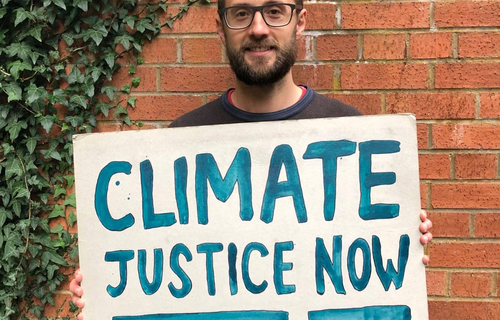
(479,45)
(212,97)
(384,46)
(384,76)
(385,15)
(434,166)
(160,50)
(466,136)
(143,126)
(490,105)
(337,47)
(108,126)
(147,75)
(315,76)
(464,310)
(423,195)
(201,50)
(365,103)
(320,16)
(61,301)
(422,135)
(430,45)
(450,105)
(196,20)
(465,255)
(163,107)
(196,79)
(436,285)
(305,48)
(487,225)
(464,284)
(467,14)
(449,224)
(468,75)
(466,195)
(476,166)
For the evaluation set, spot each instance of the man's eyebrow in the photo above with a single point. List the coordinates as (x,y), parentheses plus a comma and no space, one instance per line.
(251,5)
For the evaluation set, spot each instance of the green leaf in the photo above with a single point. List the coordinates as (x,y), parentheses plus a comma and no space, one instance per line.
(14,91)
(59,190)
(16,127)
(96,34)
(18,66)
(110,59)
(36,32)
(70,200)
(3,11)
(69,38)
(125,88)
(71,219)
(70,179)
(10,250)
(130,21)
(131,69)
(82,4)
(136,82)
(49,255)
(120,110)
(57,212)
(59,3)
(22,15)
(124,40)
(13,169)
(23,193)
(131,101)
(104,108)
(21,49)
(3,218)
(109,91)
(31,144)
(47,122)
(127,120)
(34,93)
(79,100)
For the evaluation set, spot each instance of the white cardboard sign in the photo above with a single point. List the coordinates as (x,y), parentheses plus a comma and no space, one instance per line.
(308,219)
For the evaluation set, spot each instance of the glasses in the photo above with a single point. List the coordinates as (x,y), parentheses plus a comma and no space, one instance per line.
(274,15)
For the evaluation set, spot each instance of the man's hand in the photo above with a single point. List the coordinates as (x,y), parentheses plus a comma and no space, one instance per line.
(426,236)
(76,289)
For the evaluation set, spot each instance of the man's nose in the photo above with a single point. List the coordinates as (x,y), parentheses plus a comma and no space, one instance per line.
(258,28)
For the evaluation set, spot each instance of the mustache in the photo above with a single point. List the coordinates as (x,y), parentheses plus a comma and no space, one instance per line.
(250,43)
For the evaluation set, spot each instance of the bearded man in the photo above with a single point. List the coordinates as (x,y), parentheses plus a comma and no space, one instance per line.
(260,37)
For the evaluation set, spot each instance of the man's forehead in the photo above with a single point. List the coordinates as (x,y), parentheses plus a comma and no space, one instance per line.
(230,3)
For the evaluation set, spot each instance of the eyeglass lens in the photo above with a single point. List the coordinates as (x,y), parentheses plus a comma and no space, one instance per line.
(275,15)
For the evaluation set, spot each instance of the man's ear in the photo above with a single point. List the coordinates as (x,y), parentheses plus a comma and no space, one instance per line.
(220,30)
(301,23)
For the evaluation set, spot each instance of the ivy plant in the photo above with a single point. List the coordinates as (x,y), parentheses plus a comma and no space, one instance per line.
(57,60)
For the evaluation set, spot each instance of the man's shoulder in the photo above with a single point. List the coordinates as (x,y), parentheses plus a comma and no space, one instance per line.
(208,114)
(324,107)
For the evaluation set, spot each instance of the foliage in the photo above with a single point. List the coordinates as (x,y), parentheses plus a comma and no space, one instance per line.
(56,62)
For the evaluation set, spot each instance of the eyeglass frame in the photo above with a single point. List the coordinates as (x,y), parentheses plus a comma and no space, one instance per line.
(223,14)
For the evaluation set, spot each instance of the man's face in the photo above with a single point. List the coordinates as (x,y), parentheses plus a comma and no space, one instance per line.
(260,54)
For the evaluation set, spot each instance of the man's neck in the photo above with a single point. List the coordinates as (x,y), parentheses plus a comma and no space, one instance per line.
(269,98)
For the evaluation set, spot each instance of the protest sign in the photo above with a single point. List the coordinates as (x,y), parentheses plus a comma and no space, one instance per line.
(307,219)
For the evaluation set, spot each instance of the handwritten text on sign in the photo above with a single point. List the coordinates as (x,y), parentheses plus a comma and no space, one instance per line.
(312,219)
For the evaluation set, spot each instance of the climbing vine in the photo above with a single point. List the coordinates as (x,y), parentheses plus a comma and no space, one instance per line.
(57,60)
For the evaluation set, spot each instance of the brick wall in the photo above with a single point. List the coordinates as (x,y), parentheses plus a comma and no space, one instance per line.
(437,59)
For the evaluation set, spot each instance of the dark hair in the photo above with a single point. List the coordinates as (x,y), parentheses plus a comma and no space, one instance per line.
(222,3)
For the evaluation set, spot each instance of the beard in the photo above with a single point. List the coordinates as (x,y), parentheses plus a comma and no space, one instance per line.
(260,74)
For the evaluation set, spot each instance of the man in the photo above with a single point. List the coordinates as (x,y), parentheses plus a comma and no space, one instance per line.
(260,37)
